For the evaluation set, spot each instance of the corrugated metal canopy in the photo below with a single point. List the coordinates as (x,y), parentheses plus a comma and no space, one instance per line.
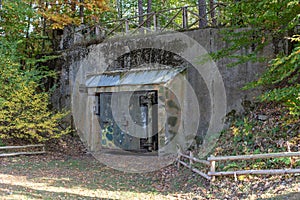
(144,77)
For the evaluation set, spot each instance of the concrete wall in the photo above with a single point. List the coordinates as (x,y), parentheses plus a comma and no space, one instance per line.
(205,79)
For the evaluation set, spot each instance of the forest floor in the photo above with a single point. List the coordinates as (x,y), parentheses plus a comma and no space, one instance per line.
(52,177)
(67,171)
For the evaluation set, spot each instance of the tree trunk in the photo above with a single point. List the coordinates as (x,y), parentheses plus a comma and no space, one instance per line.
(73,6)
(212,13)
(0,8)
(29,53)
(149,9)
(202,13)
(140,11)
(119,9)
(81,10)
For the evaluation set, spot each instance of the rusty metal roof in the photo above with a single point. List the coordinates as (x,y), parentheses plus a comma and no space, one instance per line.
(143,77)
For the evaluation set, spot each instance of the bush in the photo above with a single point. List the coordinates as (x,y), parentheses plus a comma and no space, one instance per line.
(24,114)
(24,111)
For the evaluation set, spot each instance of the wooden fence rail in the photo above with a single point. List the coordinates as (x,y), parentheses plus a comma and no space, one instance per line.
(42,151)
(254,156)
(182,18)
(174,19)
(195,159)
(211,164)
(250,172)
(195,170)
(192,159)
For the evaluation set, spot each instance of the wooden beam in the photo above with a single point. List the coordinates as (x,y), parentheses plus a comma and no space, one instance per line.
(255,156)
(249,172)
(21,147)
(196,160)
(21,153)
(195,170)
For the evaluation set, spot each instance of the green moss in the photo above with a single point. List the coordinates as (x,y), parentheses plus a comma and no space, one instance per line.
(172,104)
(172,121)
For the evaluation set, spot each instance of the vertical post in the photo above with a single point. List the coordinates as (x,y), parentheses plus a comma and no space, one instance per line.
(184,17)
(154,22)
(191,158)
(292,159)
(126,26)
(178,163)
(97,30)
(212,168)
(178,156)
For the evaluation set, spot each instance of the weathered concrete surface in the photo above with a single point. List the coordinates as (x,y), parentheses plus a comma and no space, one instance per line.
(130,53)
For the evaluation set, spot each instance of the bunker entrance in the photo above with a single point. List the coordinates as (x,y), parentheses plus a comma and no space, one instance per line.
(128,120)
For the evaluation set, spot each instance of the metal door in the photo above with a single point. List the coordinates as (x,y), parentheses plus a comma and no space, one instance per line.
(129,121)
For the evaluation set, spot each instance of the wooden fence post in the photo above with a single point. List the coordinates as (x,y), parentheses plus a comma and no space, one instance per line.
(292,159)
(191,158)
(126,26)
(184,17)
(178,157)
(212,167)
(154,22)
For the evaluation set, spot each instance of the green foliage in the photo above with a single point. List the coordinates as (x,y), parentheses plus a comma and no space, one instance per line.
(1,143)
(24,114)
(283,73)
(129,9)
(253,25)
(289,95)
(24,104)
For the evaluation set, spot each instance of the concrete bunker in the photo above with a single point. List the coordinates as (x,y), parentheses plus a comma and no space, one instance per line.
(191,102)
(136,109)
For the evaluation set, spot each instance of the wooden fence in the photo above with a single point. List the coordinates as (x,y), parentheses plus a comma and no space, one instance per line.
(191,161)
(175,19)
(182,18)
(40,147)
(210,164)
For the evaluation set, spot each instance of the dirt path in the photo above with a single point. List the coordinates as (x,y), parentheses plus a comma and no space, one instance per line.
(133,162)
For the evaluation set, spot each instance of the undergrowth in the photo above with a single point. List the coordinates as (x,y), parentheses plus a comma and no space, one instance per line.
(265,129)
